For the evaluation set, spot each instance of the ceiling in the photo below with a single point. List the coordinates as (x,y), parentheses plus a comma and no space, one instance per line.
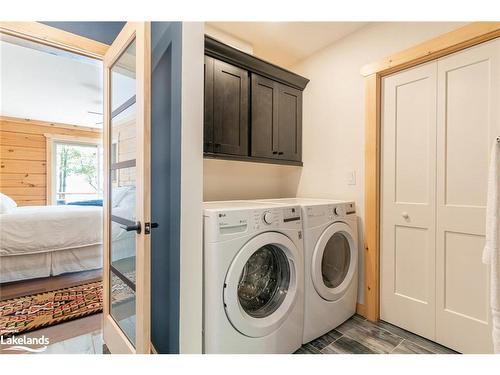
(286,43)
(48,84)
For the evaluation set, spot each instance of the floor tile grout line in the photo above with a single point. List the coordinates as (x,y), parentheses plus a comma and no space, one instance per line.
(392,351)
(413,334)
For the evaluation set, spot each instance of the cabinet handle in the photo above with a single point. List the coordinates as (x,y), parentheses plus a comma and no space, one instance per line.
(405,215)
(275,152)
(280,153)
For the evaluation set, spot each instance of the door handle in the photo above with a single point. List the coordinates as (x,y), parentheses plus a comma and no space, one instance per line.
(149,226)
(133,227)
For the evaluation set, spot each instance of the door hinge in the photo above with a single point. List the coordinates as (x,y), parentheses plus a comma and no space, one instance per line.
(148,226)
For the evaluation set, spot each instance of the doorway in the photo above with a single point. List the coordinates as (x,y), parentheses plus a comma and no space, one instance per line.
(52,180)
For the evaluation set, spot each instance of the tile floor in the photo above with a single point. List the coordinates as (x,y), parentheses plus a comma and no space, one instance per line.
(359,336)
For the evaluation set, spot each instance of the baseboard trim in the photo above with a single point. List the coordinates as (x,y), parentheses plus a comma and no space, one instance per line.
(361,309)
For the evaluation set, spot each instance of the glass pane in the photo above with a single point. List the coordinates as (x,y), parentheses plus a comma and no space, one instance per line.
(123,306)
(123,194)
(123,191)
(336,260)
(264,281)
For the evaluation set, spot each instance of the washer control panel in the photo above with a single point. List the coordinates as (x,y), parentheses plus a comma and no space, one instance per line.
(232,223)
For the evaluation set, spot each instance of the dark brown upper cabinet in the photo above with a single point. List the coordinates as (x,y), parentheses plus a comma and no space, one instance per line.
(257,121)
(276,113)
(226,108)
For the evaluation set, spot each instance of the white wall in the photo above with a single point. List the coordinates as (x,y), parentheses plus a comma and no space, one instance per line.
(231,40)
(191,257)
(333,113)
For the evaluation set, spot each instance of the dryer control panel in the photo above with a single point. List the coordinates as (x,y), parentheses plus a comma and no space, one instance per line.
(320,214)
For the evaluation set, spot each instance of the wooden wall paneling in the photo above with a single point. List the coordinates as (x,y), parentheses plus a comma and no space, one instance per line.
(25,157)
(21,139)
(454,41)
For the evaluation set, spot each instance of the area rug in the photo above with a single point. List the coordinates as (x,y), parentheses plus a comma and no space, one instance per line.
(23,314)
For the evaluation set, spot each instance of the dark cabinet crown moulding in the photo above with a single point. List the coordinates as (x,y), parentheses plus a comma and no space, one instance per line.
(221,51)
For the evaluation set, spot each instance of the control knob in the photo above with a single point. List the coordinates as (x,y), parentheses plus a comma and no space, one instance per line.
(340,211)
(267,217)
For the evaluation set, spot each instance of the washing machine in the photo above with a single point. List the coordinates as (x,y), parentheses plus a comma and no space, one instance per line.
(330,263)
(253,277)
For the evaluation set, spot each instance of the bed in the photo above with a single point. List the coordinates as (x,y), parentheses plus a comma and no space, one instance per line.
(42,241)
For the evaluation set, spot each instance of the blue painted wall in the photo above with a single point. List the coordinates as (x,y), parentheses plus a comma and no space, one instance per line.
(166,65)
(104,32)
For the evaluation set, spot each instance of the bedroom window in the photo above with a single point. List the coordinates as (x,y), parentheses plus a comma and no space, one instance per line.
(77,172)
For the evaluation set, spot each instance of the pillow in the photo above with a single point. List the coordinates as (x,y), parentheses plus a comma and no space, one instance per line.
(118,194)
(128,200)
(6,204)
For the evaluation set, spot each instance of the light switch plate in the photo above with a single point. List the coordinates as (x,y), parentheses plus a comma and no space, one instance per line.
(351,178)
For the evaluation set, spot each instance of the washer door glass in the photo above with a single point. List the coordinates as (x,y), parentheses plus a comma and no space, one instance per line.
(264,281)
(336,260)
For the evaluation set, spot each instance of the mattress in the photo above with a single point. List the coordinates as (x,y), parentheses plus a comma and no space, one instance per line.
(39,229)
(31,266)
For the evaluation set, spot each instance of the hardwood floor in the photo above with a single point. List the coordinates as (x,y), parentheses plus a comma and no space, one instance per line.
(33,286)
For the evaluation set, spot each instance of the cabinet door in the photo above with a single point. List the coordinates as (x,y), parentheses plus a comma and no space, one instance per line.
(289,123)
(264,117)
(230,114)
(208,128)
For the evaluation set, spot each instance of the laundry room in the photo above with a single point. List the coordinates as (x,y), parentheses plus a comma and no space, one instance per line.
(250,187)
(287,121)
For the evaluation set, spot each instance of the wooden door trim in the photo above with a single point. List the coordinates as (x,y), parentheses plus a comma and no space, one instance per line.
(454,41)
(117,341)
(54,37)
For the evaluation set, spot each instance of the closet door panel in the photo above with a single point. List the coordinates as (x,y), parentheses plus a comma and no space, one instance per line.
(408,200)
(468,123)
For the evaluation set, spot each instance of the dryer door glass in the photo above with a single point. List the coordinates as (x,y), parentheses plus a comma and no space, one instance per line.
(264,281)
(336,260)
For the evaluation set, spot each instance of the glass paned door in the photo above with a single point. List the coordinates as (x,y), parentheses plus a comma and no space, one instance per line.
(126,313)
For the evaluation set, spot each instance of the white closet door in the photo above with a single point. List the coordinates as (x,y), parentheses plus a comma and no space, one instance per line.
(408,199)
(468,122)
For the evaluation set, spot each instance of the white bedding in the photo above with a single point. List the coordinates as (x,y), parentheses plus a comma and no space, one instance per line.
(39,229)
(41,241)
